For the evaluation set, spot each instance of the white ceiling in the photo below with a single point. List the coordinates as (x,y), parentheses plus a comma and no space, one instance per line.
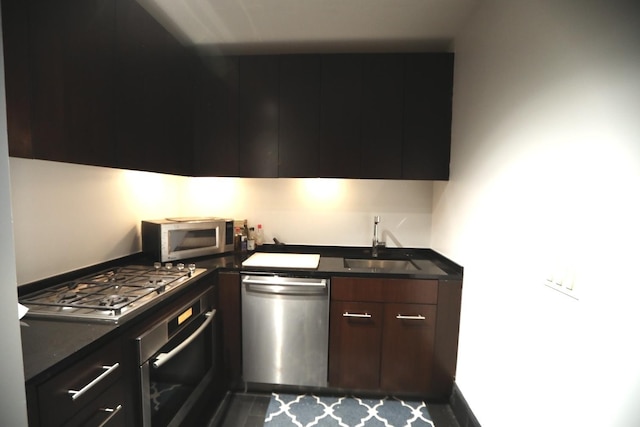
(281,26)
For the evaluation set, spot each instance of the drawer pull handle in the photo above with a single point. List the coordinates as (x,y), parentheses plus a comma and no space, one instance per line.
(112,413)
(404,317)
(75,394)
(358,315)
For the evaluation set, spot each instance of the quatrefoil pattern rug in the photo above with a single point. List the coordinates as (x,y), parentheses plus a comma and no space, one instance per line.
(308,410)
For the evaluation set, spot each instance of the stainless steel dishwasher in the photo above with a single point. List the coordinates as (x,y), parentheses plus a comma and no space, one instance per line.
(285,330)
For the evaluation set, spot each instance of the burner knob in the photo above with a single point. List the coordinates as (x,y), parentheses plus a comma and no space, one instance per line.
(180,266)
(168,266)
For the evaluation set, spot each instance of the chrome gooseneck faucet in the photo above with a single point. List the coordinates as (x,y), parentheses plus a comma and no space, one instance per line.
(375,243)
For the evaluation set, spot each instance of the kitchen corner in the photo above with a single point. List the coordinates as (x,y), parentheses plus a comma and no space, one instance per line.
(51,346)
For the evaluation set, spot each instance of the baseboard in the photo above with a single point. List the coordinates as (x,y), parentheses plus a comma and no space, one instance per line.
(461,409)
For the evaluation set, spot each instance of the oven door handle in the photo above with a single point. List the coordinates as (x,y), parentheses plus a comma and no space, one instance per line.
(163,358)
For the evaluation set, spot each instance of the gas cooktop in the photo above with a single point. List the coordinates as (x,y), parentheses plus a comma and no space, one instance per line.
(110,295)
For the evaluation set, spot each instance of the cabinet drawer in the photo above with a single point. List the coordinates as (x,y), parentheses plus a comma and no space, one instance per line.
(384,290)
(89,377)
(106,410)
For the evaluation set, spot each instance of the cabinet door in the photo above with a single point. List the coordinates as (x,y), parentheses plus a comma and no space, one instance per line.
(229,307)
(427,116)
(216,121)
(175,117)
(407,347)
(382,86)
(258,131)
(15,34)
(299,111)
(71,69)
(153,94)
(341,90)
(354,345)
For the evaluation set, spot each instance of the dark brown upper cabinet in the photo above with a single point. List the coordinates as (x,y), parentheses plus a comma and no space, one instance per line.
(382,112)
(154,122)
(216,121)
(101,82)
(428,91)
(340,115)
(299,113)
(59,61)
(15,35)
(97,82)
(258,116)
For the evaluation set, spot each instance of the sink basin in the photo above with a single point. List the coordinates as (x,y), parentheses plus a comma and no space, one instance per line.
(380,264)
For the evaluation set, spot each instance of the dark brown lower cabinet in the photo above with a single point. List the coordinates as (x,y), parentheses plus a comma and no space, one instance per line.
(378,346)
(394,335)
(231,320)
(108,410)
(408,334)
(354,349)
(98,384)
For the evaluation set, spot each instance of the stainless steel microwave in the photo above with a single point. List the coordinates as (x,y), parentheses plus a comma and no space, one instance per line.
(171,239)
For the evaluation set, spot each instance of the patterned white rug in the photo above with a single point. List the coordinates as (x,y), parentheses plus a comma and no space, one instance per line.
(307,410)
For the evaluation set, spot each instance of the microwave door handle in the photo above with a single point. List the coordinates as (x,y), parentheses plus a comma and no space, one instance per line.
(163,358)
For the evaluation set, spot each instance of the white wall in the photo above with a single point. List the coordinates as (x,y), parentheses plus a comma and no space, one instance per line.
(71,216)
(546,180)
(13,402)
(323,211)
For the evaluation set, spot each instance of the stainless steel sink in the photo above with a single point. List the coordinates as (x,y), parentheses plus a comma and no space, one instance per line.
(380,264)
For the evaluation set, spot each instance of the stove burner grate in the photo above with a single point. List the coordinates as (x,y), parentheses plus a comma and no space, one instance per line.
(106,295)
(113,300)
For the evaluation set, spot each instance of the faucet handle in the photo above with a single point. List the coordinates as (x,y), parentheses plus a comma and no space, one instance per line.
(376,219)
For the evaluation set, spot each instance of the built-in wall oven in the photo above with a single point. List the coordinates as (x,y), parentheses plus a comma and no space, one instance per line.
(176,360)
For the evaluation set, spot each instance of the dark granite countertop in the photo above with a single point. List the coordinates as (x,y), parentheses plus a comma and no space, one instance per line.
(55,342)
(48,343)
(430,264)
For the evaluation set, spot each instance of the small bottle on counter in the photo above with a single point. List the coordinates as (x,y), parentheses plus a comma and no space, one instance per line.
(245,229)
(237,240)
(251,242)
(259,236)
(244,243)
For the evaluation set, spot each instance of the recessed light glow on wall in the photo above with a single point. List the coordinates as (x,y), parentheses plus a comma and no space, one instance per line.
(143,186)
(321,192)
(214,196)
(151,191)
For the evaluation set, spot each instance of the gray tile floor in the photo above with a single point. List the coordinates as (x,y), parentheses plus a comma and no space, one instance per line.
(248,410)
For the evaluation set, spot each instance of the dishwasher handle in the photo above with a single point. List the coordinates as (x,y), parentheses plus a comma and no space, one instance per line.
(284,285)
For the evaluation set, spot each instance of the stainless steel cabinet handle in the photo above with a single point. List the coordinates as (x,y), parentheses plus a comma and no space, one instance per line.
(112,413)
(358,315)
(75,394)
(284,285)
(163,358)
(285,282)
(417,317)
